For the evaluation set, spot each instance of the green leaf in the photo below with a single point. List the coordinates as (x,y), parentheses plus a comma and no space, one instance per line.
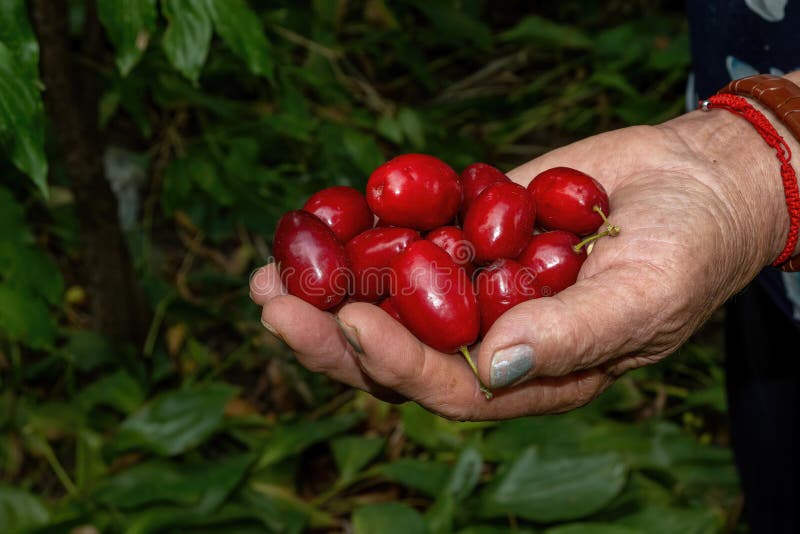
(25,319)
(17,35)
(559,435)
(555,490)
(388,518)
(463,479)
(428,429)
(453,25)
(361,149)
(292,439)
(129,24)
(87,350)
(353,453)
(593,528)
(176,421)
(204,483)
(89,464)
(188,35)
(118,390)
(466,474)
(411,125)
(667,520)
(427,477)
(538,30)
(19,510)
(242,31)
(22,119)
(31,270)
(13,227)
(282,511)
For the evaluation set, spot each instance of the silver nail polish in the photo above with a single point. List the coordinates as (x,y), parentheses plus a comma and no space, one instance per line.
(350,334)
(511,364)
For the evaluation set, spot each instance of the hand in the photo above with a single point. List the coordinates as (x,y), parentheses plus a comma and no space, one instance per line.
(700,204)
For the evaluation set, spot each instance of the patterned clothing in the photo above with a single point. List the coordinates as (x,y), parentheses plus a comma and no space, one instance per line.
(736,38)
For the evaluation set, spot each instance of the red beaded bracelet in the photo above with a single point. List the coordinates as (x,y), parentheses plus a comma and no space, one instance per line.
(740,106)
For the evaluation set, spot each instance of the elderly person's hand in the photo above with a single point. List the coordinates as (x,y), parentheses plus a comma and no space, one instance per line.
(701,206)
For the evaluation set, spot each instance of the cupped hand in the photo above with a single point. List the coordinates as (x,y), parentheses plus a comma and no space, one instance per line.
(700,205)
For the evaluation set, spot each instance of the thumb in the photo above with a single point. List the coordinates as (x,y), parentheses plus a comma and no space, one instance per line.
(613,313)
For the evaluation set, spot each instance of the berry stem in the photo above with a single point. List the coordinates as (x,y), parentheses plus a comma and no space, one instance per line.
(613,231)
(465,352)
(594,237)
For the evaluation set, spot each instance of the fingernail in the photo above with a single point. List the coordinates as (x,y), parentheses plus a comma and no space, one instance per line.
(350,333)
(510,364)
(271,329)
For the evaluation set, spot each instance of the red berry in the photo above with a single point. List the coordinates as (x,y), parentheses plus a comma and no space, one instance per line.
(500,221)
(474,179)
(343,209)
(451,240)
(435,298)
(566,199)
(553,261)
(414,190)
(501,286)
(312,262)
(387,306)
(370,254)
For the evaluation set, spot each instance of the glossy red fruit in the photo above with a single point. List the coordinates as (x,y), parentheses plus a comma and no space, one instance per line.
(370,254)
(343,209)
(414,191)
(500,222)
(474,179)
(435,298)
(501,286)
(312,262)
(553,261)
(565,200)
(451,239)
(387,306)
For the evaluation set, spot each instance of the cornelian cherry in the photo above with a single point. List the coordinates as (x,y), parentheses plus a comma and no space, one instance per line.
(567,199)
(501,286)
(451,239)
(435,298)
(553,261)
(312,263)
(474,179)
(387,306)
(500,222)
(415,191)
(343,209)
(370,253)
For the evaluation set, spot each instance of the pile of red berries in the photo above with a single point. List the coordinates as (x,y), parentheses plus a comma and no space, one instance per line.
(402,248)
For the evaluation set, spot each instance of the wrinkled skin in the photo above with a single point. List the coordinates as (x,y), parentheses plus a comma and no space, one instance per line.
(700,204)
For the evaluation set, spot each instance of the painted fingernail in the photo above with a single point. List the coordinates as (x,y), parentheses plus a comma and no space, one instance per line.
(510,364)
(271,329)
(350,333)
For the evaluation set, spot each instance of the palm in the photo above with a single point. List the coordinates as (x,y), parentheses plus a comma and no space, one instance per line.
(637,299)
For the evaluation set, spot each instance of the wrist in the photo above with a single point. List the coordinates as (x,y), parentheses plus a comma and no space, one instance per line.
(748,171)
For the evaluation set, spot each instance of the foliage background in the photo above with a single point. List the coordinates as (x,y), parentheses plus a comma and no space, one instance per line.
(209,118)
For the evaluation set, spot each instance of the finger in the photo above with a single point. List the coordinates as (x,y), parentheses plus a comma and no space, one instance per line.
(444,383)
(318,342)
(615,312)
(393,357)
(545,395)
(265,284)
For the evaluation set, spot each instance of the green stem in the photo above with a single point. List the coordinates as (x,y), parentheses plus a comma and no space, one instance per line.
(613,231)
(465,352)
(58,469)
